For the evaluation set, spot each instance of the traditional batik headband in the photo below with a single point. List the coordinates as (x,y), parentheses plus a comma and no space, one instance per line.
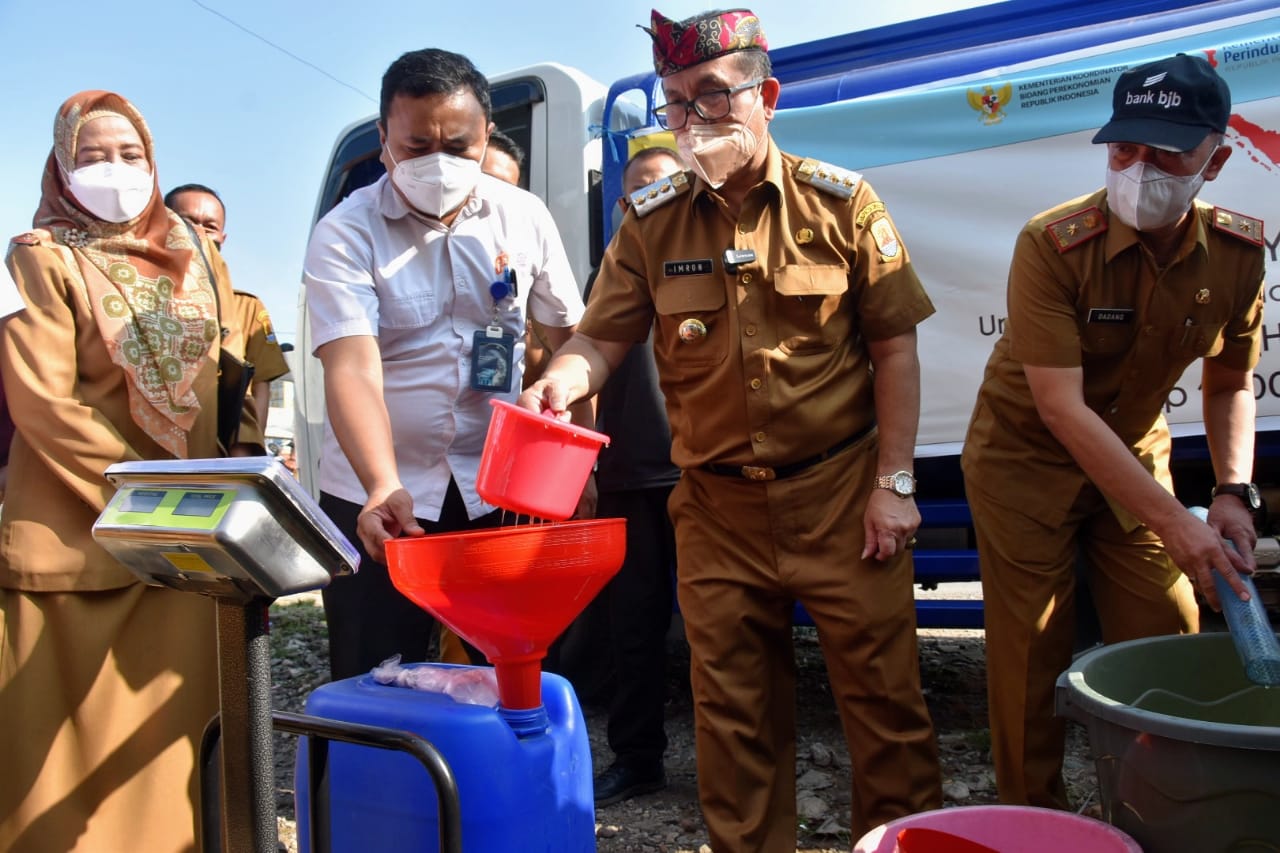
(680,45)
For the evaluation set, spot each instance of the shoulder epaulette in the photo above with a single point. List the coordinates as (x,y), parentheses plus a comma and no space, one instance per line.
(29,238)
(1245,227)
(1076,228)
(828,178)
(648,199)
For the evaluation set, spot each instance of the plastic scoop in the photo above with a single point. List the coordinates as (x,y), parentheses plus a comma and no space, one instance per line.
(534,464)
(1251,631)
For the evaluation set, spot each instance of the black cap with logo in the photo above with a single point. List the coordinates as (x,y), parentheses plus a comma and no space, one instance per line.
(1172,104)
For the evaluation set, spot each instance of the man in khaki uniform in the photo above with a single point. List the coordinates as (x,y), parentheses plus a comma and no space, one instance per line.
(773,286)
(1111,296)
(261,349)
(202,206)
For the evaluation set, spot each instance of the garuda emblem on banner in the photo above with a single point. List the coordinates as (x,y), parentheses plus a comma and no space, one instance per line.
(990,103)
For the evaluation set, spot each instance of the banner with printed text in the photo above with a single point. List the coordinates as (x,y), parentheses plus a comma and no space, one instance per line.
(963,166)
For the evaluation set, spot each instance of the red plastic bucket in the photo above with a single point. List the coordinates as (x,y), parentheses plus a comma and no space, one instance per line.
(1002,829)
(534,464)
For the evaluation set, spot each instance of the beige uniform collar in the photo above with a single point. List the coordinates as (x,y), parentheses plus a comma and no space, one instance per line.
(1121,236)
(773,174)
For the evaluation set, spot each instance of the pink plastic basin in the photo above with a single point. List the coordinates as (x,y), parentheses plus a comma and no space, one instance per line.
(1005,829)
(534,464)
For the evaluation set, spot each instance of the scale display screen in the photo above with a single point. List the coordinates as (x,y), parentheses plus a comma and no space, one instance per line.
(142,500)
(198,504)
(192,508)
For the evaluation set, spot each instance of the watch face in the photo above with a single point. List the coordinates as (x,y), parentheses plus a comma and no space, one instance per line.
(904,483)
(1252,497)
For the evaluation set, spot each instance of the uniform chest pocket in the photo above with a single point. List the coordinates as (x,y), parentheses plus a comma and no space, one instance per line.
(1197,340)
(693,322)
(811,309)
(407,312)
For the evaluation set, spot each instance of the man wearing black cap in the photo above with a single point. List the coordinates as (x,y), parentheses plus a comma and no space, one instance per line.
(1111,296)
(784,308)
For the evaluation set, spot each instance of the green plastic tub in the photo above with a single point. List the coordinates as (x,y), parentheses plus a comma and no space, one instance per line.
(1187,749)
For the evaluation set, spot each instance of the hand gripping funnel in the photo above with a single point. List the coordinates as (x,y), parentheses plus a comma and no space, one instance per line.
(510,591)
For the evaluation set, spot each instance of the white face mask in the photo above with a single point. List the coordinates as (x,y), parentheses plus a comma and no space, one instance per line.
(114,192)
(716,151)
(436,184)
(1147,198)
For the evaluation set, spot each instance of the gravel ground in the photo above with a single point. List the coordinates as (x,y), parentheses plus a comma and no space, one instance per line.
(669,821)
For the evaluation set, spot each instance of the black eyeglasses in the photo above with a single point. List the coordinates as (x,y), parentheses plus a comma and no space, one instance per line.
(710,106)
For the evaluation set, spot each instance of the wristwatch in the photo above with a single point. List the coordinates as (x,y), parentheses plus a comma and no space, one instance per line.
(901,483)
(1247,492)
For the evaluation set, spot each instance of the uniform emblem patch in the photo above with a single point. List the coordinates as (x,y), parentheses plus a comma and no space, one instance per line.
(692,330)
(264,320)
(886,240)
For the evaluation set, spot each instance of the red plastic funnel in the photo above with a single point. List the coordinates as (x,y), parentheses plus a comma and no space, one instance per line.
(534,464)
(510,591)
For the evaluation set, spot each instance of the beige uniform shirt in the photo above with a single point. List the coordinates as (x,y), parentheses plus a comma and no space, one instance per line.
(765,364)
(70,403)
(261,348)
(1083,292)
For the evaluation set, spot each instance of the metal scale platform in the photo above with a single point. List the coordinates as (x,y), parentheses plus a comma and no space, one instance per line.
(245,532)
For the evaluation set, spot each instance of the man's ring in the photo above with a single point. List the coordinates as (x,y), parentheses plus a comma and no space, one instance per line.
(911,543)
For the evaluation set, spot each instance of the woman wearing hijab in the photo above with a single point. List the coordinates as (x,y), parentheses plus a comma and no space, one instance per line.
(105,683)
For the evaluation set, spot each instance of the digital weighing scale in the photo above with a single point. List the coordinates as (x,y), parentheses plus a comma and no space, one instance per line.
(235,528)
(244,532)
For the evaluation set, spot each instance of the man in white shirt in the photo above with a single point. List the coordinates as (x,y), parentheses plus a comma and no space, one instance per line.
(418,288)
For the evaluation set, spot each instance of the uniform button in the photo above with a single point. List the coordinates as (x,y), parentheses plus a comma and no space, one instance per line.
(750,330)
(746,278)
(756,384)
(759,437)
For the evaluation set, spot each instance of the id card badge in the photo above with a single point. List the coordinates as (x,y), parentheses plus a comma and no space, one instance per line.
(492,357)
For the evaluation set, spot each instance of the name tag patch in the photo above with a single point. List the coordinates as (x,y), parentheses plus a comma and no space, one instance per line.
(1110,315)
(701,266)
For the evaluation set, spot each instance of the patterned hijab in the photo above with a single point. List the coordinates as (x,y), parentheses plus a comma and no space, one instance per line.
(150,291)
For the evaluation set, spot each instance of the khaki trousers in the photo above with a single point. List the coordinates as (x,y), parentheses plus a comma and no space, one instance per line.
(746,550)
(1028,591)
(103,698)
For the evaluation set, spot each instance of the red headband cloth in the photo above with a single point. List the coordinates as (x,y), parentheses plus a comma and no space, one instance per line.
(677,46)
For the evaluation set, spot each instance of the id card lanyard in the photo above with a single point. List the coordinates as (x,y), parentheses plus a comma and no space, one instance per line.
(493,348)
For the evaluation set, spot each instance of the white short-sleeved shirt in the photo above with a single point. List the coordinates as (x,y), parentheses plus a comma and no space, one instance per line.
(374,267)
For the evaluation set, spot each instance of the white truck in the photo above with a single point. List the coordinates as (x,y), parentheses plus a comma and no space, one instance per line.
(967,124)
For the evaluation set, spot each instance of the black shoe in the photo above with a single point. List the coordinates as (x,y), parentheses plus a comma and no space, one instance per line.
(622,782)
